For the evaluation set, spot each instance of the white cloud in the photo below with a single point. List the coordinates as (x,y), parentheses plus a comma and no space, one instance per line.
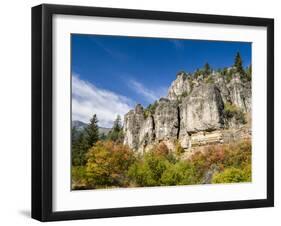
(149,95)
(88,99)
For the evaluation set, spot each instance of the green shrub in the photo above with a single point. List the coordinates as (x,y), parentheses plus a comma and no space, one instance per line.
(224,71)
(78,177)
(178,149)
(248,74)
(240,117)
(157,168)
(231,110)
(228,73)
(209,79)
(248,172)
(150,110)
(148,171)
(184,94)
(181,173)
(238,155)
(232,175)
(197,73)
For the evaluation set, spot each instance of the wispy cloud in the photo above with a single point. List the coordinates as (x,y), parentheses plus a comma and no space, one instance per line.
(88,99)
(148,94)
(111,52)
(177,43)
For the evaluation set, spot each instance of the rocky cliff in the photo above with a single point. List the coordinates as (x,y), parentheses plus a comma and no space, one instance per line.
(198,110)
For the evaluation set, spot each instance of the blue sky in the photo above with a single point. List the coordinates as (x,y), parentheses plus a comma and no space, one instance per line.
(123,71)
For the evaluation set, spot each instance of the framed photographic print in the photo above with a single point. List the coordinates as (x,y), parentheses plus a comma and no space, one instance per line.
(145,112)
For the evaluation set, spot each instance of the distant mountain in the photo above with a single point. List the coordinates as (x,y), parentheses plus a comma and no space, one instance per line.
(78,125)
(81,125)
(103,130)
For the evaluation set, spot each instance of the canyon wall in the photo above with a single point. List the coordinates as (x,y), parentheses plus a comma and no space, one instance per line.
(197,111)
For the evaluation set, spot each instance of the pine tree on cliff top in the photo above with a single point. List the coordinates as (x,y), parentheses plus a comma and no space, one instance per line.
(206,69)
(238,63)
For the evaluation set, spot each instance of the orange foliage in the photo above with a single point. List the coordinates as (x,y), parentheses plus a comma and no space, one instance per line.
(108,162)
(161,149)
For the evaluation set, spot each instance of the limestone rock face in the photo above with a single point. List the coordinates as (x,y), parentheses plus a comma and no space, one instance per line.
(133,121)
(222,86)
(203,138)
(193,113)
(240,94)
(185,141)
(166,119)
(202,110)
(180,86)
(247,93)
(146,133)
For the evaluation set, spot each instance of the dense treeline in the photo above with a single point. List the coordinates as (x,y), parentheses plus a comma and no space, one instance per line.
(107,163)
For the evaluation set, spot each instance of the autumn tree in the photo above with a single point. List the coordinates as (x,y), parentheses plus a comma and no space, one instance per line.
(161,149)
(108,163)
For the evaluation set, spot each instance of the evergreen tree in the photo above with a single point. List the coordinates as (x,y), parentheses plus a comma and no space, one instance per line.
(250,69)
(79,147)
(92,131)
(150,110)
(224,71)
(83,140)
(74,134)
(238,63)
(116,133)
(197,73)
(117,125)
(102,136)
(206,69)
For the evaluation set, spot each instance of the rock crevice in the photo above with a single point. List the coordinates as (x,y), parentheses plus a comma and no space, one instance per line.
(179,122)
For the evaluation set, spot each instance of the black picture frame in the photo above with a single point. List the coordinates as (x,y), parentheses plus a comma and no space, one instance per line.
(42,111)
